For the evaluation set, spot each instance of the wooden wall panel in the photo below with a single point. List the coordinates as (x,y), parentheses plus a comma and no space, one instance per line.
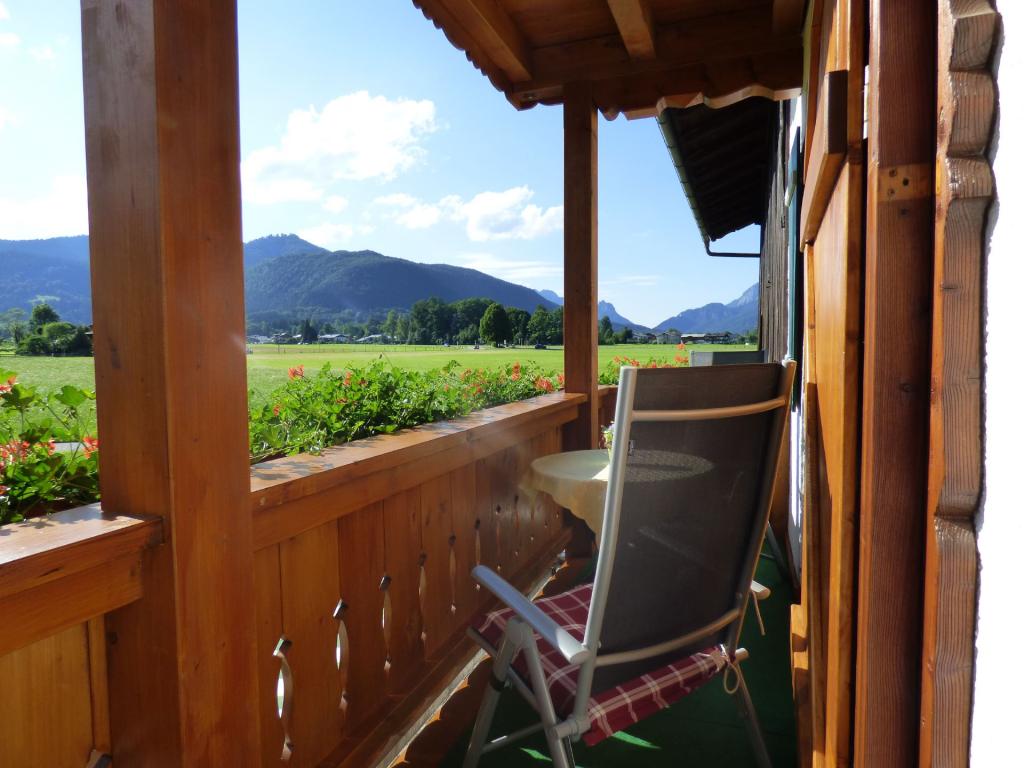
(269,629)
(464,518)
(773,310)
(361,564)
(403,563)
(437,530)
(309,595)
(45,709)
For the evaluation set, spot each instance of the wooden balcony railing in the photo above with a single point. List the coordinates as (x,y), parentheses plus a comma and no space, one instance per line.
(363,590)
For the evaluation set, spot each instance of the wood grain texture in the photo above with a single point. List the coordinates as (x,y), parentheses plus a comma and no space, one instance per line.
(162,156)
(436,530)
(580,308)
(403,550)
(636,27)
(897,336)
(33,614)
(825,157)
(45,708)
(298,493)
(837,291)
(309,595)
(65,543)
(99,695)
(964,189)
(361,563)
(490,26)
(269,630)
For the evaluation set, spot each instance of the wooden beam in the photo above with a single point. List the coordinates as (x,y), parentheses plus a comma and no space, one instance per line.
(964,190)
(636,27)
(897,339)
(828,150)
(735,36)
(488,23)
(580,318)
(162,154)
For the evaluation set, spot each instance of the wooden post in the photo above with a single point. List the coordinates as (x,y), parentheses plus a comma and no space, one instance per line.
(162,150)
(897,337)
(580,318)
(964,186)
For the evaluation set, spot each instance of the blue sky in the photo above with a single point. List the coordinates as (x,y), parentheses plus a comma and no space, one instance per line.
(363,127)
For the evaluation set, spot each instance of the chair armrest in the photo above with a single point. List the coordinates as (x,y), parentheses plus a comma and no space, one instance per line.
(571,648)
(759,591)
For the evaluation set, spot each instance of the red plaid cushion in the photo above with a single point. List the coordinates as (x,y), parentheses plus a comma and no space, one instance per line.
(619,707)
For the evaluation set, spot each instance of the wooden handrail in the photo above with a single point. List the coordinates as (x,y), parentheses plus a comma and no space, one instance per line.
(65,568)
(706,414)
(295,494)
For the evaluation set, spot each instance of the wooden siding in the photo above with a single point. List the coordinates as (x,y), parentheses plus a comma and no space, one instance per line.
(773,312)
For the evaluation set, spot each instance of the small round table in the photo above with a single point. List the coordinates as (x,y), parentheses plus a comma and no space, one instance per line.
(578,480)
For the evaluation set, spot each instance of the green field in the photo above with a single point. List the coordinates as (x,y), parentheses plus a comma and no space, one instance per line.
(268,364)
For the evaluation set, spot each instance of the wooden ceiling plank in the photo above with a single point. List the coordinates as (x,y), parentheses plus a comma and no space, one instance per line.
(636,27)
(787,16)
(716,38)
(488,23)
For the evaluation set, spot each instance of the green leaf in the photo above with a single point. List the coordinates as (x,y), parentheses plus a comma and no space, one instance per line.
(71,396)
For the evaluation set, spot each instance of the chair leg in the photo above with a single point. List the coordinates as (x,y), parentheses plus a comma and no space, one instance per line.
(560,756)
(749,715)
(499,673)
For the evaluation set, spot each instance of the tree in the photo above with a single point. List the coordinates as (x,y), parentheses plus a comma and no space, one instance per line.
(623,336)
(12,323)
(605,332)
(390,326)
(494,325)
(537,328)
(519,320)
(41,315)
(309,334)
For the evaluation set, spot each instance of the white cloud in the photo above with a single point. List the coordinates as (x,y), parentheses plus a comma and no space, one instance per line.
(61,211)
(328,235)
(506,215)
(9,40)
(515,271)
(42,53)
(6,118)
(4,13)
(335,204)
(355,137)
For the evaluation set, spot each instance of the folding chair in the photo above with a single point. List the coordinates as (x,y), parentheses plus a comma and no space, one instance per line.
(691,477)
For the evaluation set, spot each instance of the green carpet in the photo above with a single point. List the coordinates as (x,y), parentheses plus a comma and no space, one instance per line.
(703,729)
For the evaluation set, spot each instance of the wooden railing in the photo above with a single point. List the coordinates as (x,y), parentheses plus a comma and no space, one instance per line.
(363,571)
(363,590)
(59,575)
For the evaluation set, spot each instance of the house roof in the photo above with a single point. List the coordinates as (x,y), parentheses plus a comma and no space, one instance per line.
(723,158)
(636,55)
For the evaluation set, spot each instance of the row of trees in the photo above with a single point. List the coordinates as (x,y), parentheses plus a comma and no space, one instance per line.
(44,333)
(466,321)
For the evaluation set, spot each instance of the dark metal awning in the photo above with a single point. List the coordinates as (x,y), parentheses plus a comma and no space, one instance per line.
(723,157)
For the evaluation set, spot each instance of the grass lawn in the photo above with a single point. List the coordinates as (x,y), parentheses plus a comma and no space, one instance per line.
(268,364)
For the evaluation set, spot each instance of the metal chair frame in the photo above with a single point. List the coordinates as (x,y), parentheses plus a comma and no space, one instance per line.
(529,619)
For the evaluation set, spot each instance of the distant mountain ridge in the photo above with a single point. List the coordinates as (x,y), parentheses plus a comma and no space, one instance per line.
(604,309)
(738,316)
(367,281)
(284,275)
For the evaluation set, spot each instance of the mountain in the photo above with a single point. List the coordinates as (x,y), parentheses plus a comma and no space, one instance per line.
(54,270)
(364,281)
(266,248)
(738,316)
(603,308)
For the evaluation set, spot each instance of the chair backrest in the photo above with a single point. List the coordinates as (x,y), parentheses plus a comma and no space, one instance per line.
(693,465)
(727,357)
